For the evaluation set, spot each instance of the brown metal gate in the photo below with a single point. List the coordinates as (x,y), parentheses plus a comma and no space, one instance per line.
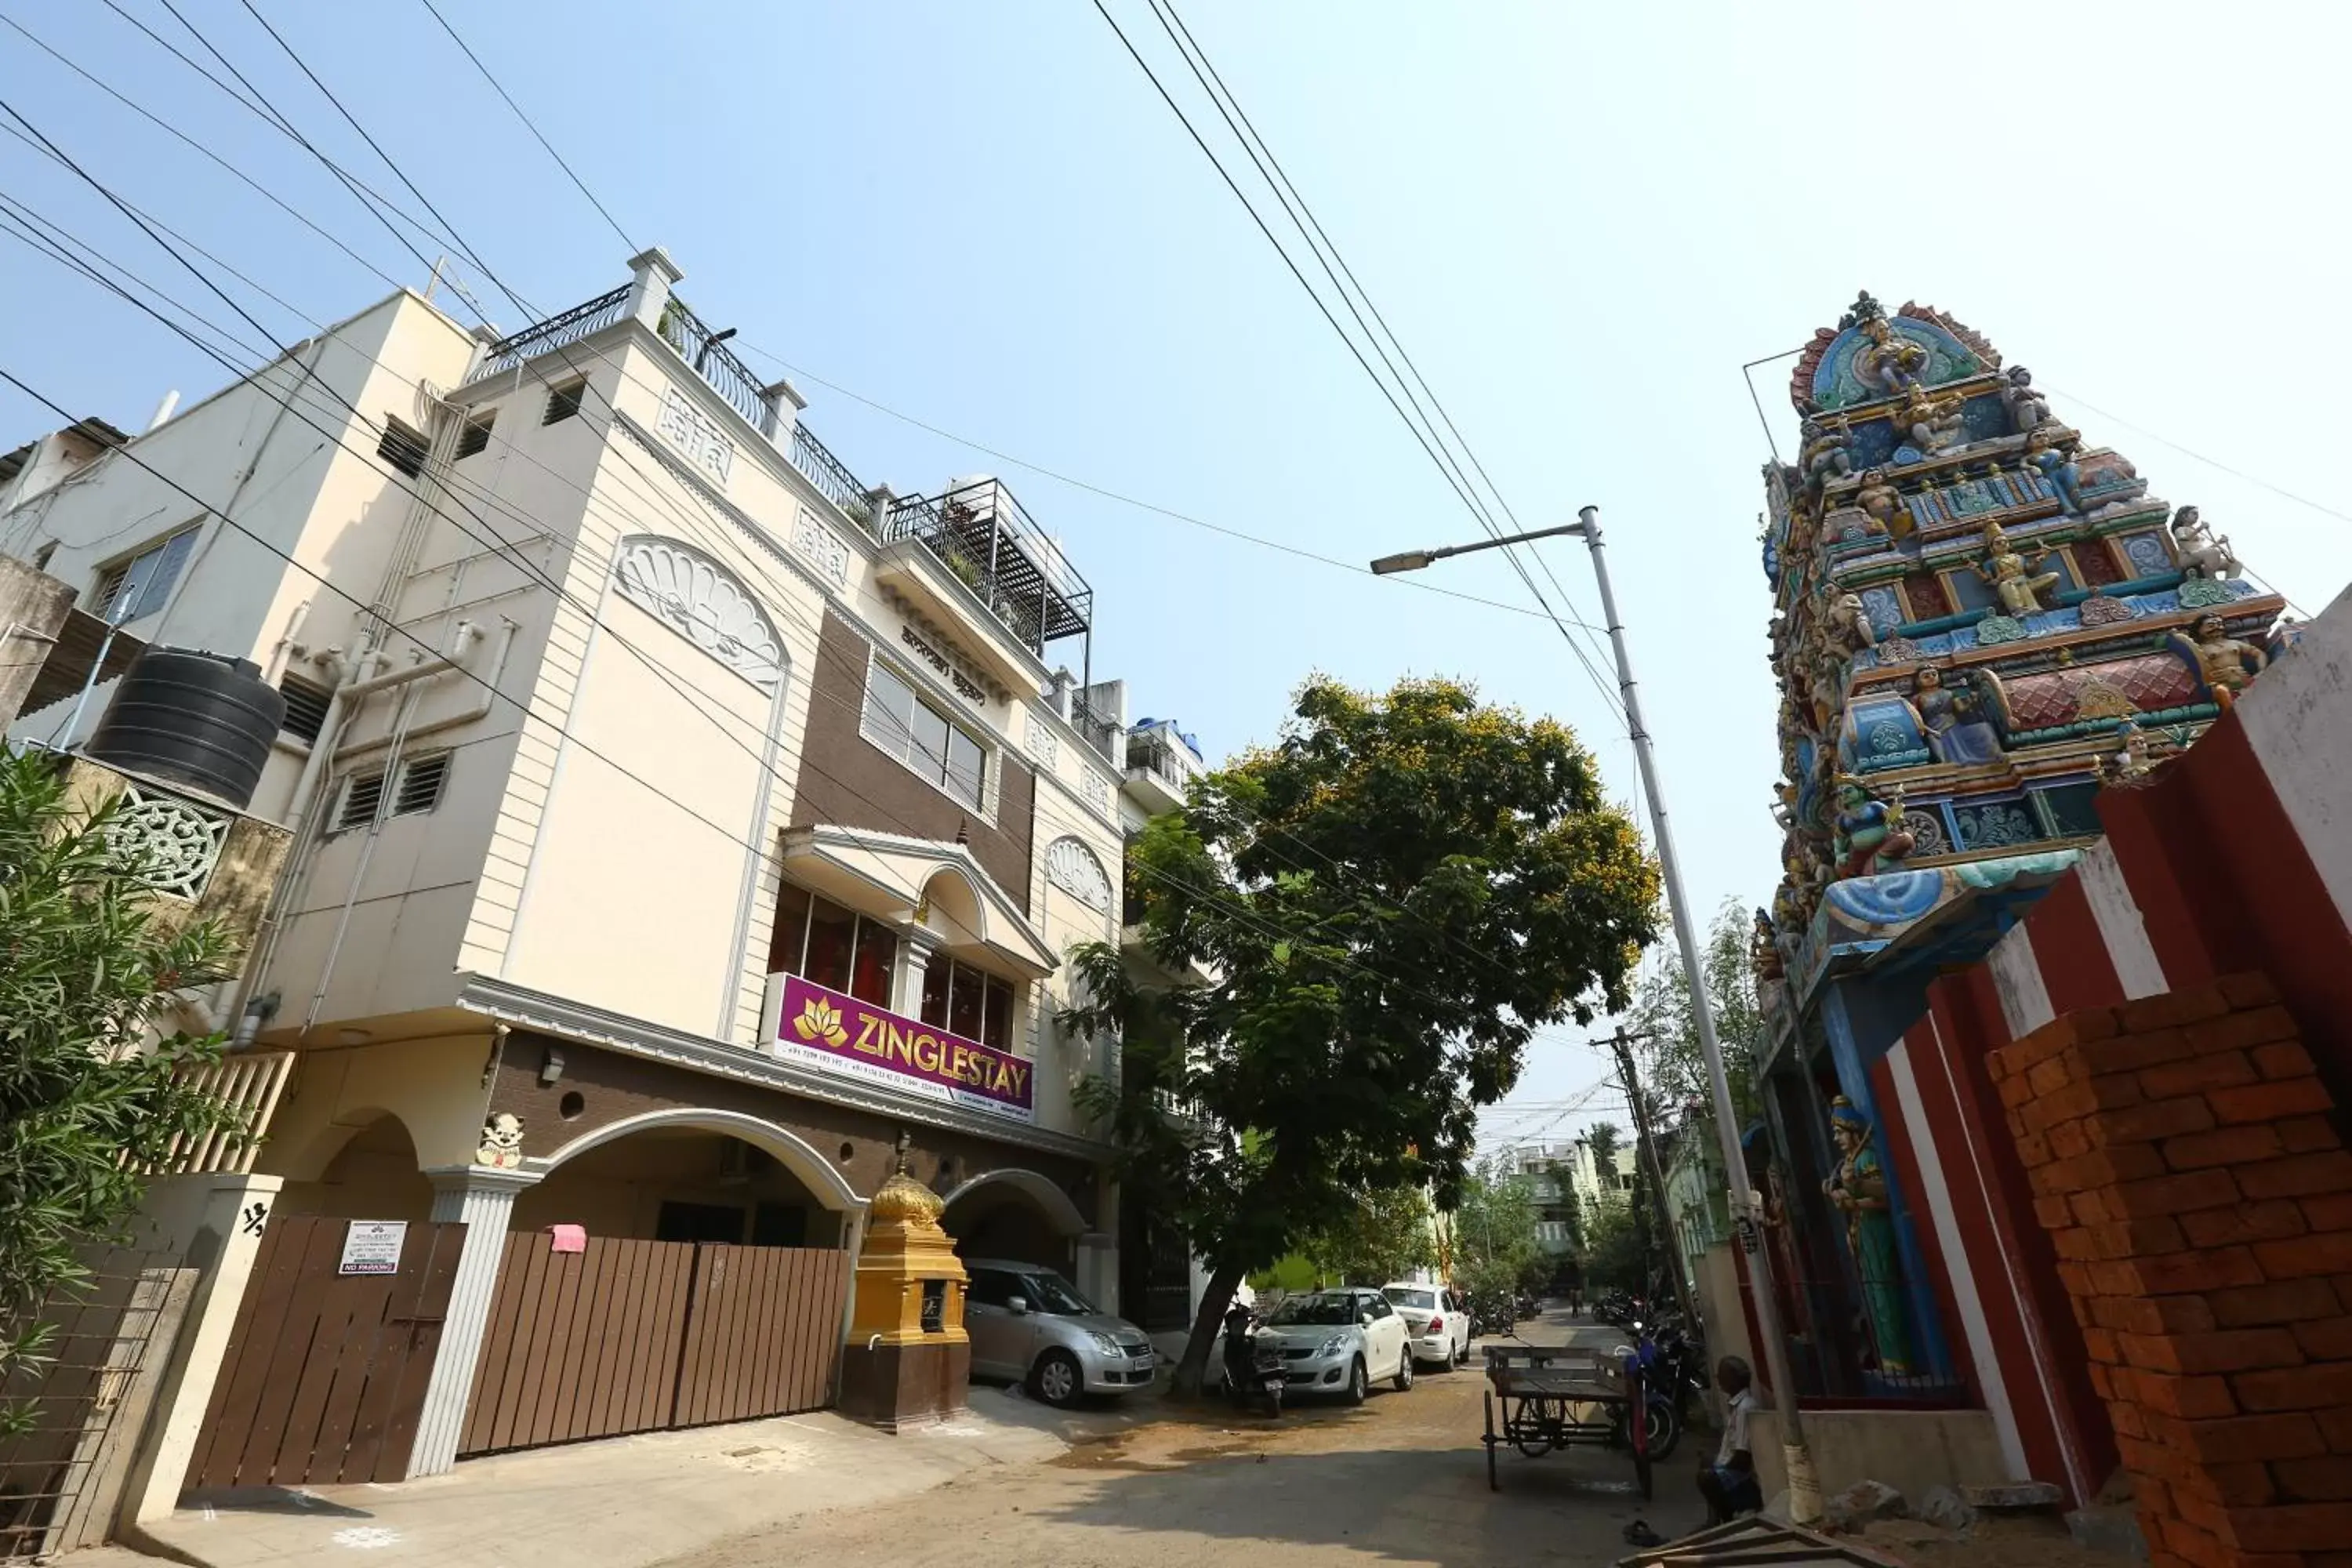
(325,1375)
(635,1336)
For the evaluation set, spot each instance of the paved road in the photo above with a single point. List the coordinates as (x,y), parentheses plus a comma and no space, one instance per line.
(1402,1480)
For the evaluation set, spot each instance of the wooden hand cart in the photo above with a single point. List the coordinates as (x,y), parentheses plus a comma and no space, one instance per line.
(1564,1397)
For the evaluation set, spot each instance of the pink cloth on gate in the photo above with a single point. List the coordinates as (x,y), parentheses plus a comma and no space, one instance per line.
(567,1238)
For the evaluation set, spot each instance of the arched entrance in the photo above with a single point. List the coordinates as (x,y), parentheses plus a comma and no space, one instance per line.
(1016,1215)
(676,1269)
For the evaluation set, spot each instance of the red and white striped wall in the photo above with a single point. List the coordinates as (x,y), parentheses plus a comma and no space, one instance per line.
(2238,857)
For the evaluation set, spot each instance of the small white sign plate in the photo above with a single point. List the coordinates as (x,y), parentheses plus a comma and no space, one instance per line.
(372,1247)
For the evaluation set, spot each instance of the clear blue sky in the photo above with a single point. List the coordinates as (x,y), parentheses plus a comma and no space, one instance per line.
(1579,220)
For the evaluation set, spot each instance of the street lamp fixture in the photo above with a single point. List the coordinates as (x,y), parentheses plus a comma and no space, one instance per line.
(1804,1490)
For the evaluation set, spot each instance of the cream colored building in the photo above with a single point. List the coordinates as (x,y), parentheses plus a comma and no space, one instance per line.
(614,700)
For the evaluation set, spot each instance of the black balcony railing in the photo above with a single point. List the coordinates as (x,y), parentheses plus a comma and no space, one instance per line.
(978,532)
(832,477)
(1156,755)
(546,337)
(714,362)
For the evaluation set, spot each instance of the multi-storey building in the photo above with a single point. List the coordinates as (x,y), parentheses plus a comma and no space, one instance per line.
(685,833)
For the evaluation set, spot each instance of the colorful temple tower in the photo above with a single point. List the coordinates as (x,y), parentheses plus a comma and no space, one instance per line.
(1980,622)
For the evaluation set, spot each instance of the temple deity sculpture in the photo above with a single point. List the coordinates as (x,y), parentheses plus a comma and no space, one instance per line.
(2130,763)
(1957,730)
(2016,580)
(1824,453)
(1883,503)
(1870,835)
(1847,623)
(1888,360)
(1764,949)
(2028,409)
(2054,460)
(2229,665)
(1932,423)
(1859,1190)
(2202,553)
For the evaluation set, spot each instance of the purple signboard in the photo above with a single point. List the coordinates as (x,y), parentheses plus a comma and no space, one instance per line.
(842,1033)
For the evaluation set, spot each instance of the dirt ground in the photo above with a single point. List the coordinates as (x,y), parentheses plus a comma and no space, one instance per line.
(1402,1480)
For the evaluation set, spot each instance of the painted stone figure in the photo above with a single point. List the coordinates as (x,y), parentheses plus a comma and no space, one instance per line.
(2229,665)
(1860,1192)
(1825,456)
(2012,576)
(1954,719)
(1889,361)
(2202,554)
(2056,464)
(1870,835)
(1933,423)
(1883,503)
(2027,407)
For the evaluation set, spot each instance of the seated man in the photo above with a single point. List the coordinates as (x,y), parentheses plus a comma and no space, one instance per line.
(1729,1484)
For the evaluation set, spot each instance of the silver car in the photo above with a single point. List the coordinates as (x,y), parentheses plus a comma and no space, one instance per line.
(1029,1324)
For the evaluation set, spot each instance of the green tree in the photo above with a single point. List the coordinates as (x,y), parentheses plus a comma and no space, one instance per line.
(1673,1067)
(87,965)
(1382,1235)
(1393,897)
(1614,1251)
(1606,1140)
(1495,1243)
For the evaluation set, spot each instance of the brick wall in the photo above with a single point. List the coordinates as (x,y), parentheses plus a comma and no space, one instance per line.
(2189,1167)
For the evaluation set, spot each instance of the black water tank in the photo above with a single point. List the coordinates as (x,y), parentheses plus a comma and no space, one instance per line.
(202,720)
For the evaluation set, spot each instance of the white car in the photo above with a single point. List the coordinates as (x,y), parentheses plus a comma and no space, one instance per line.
(1436,1325)
(1339,1341)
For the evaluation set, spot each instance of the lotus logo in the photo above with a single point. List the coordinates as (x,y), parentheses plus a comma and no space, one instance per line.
(820,1020)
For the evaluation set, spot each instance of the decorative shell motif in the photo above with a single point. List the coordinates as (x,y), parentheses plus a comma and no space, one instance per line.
(1072,866)
(699,598)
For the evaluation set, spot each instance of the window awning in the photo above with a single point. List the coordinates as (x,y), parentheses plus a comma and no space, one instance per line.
(74,654)
(923,883)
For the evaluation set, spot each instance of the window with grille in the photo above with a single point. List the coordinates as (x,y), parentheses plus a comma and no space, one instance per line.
(306,707)
(563,402)
(139,586)
(476,436)
(420,784)
(402,446)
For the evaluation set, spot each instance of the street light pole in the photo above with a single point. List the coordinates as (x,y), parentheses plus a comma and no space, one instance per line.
(1804,1489)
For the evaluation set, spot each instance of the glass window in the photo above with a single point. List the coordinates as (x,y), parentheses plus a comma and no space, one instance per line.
(922,737)
(833,932)
(876,962)
(1378,1306)
(139,587)
(996,1015)
(929,757)
(964,1002)
(935,991)
(889,711)
(1420,1300)
(790,939)
(989,1288)
(966,762)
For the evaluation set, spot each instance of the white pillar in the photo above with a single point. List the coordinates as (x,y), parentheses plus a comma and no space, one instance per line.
(483,1198)
(919,950)
(784,404)
(652,273)
(218,1222)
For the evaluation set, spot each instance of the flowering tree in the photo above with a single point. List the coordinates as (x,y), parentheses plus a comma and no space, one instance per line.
(1392,898)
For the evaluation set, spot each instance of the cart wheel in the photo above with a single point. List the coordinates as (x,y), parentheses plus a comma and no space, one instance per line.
(1536,1431)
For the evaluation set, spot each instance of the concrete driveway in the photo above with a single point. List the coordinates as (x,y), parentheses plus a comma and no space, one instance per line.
(1400,1480)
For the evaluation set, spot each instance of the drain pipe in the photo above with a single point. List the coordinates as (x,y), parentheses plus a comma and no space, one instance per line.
(469,632)
(407,678)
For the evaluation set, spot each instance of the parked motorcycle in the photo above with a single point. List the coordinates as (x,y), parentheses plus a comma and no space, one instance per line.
(1663,1415)
(1254,1370)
